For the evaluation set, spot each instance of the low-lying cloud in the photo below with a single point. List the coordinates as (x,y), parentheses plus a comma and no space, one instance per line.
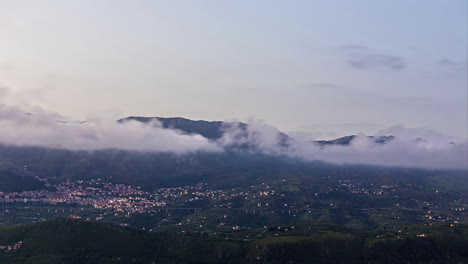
(405,150)
(45,129)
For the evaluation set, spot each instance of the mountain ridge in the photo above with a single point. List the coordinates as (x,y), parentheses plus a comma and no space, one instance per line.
(215,130)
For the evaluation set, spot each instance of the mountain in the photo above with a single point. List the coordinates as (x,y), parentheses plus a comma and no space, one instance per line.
(214,130)
(12,181)
(344,141)
(352,196)
(154,170)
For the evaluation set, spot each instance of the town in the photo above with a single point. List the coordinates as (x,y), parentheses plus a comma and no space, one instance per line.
(281,197)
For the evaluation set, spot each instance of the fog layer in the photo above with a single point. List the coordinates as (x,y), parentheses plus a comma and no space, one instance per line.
(37,127)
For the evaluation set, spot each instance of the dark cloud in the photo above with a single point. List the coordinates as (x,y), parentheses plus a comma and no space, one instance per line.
(447,63)
(362,58)
(448,68)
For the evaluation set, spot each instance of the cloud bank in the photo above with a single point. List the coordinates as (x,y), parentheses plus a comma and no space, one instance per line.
(405,150)
(45,129)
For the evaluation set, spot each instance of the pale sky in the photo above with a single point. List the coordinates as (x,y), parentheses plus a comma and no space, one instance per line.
(328,68)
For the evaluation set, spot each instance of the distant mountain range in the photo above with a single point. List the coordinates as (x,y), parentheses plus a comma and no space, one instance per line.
(214,130)
(347,140)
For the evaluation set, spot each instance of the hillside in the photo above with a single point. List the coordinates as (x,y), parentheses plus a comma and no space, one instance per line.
(69,241)
(12,181)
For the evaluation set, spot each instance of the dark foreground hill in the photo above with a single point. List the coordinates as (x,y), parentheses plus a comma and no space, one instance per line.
(68,241)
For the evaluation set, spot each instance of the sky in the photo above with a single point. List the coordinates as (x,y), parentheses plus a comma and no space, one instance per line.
(318,69)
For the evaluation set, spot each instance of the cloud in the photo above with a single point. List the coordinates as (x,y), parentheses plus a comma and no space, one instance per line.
(37,127)
(448,68)
(398,152)
(330,130)
(264,138)
(447,63)
(403,151)
(409,133)
(362,58)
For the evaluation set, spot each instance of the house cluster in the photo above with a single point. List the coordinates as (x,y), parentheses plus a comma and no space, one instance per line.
(107,196)
(93,193)
(15,246)
(357,187)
